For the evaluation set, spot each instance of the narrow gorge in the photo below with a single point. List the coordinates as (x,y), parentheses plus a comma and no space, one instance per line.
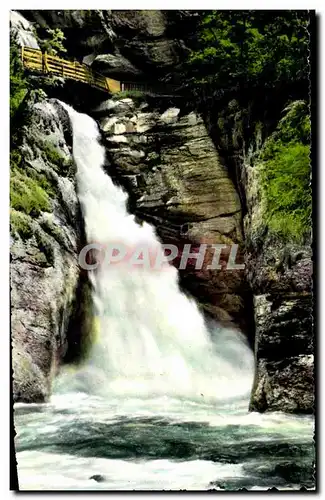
(183,365)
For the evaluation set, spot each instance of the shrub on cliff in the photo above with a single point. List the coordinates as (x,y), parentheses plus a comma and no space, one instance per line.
(23,91)
(19,84)
(53,42)
(286,175)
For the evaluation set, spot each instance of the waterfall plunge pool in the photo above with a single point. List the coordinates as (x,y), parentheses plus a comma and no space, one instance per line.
(161,443)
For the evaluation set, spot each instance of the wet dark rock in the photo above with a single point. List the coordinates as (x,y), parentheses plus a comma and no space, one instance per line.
(98,478)
(281,280)
(285,385)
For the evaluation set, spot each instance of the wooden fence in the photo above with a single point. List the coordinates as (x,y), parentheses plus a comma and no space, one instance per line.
(34,59)
(164,88)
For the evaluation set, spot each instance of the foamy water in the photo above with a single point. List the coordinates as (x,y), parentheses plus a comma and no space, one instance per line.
(159,443)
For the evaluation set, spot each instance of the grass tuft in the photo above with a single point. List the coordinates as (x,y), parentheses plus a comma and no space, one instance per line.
(21,224)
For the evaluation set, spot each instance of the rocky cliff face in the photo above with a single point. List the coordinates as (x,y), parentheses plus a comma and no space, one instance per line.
(168,163)
(44,246)
(125,44)
(280,276)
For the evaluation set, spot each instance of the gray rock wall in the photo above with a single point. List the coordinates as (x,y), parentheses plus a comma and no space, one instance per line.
(280,277)
(43,270)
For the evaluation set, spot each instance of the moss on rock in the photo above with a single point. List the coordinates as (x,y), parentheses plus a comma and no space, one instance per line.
(55,157)
(21,224)
(27,195)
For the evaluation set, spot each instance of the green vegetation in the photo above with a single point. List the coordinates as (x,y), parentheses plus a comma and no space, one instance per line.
(54,156)
(285,175)
(19,85)
(22,88)
(21,223)
(236,48)
(40,179)
(52,42)
(293,126)
(26,195)
(29,190)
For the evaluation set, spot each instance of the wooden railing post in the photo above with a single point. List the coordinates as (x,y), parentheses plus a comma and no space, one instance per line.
(45,63)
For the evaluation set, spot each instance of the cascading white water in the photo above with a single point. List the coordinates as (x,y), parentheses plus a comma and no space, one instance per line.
(23,30)
(152,338)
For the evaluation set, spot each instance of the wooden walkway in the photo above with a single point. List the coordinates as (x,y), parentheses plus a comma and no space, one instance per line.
(36,60)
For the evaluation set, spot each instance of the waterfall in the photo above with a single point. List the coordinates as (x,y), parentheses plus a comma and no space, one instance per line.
(23,29)
(152,339)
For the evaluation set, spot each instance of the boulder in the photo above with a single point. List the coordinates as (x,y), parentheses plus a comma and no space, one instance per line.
(115,66)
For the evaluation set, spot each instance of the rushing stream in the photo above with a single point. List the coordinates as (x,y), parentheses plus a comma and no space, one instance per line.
(162,401)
